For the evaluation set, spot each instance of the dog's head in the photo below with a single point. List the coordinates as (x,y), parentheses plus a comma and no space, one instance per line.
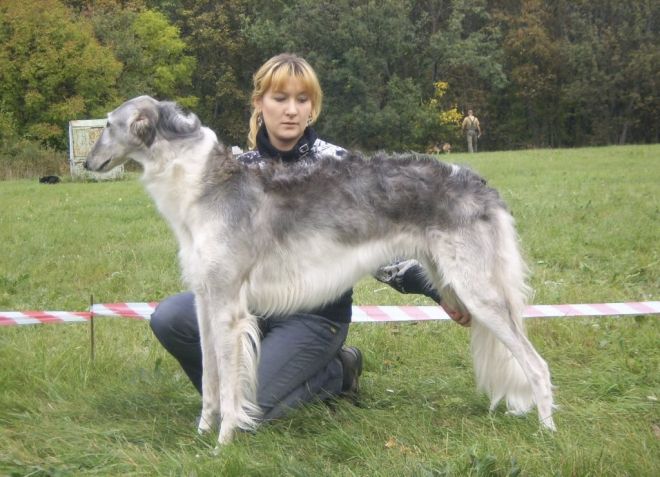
(133,129)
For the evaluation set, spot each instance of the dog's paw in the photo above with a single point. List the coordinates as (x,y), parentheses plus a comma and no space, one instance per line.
(549,424)
(205,424)
(226,434)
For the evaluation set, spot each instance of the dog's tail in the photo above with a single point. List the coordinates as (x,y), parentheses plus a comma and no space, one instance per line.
(497,372)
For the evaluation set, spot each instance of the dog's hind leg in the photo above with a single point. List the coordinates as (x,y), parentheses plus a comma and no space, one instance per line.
(522,381)
(486,273)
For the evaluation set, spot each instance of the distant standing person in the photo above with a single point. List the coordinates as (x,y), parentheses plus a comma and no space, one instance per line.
(472,130)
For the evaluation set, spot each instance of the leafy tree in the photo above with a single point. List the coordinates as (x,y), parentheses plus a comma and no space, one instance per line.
(582,72)
(397,74)
(8,128)
(464,45)
(466,48)
(610,94)
(225,64)
(155,58)
(443,120)
(369,59)
(534,58)
(52,69)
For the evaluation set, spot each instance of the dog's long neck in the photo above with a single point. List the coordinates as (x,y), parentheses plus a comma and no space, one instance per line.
(174,173)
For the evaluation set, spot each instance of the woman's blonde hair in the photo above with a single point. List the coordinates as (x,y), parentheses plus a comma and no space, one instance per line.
(273,74)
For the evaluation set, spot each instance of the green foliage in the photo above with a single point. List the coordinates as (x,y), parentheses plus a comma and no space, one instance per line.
(537,74)
(52,69)
(442,122)
(155,59)
(534,61)
(222,79)
(588,223)
(369,62)
(8,127)
(582,73)
(22,158)
(466,48)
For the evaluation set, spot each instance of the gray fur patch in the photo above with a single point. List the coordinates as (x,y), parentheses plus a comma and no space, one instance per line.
(173,122)
(354,198)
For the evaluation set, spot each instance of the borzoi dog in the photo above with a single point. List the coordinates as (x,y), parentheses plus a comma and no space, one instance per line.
(273,238)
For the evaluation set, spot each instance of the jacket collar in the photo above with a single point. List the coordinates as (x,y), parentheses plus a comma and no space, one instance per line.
(299,151)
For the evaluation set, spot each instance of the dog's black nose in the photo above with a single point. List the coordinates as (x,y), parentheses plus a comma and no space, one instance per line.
(86,166)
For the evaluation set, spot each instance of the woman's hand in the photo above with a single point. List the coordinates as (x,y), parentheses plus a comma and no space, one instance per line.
(463,319)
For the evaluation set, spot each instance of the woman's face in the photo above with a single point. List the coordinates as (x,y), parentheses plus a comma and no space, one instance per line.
(286,112)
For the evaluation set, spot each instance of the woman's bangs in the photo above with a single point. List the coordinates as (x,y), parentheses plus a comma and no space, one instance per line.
(284,73)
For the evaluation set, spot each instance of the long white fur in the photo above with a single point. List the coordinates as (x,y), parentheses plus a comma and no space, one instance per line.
(307,270)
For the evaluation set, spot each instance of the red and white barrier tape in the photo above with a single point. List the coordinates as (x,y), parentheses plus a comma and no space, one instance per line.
(361,314)
(9,318)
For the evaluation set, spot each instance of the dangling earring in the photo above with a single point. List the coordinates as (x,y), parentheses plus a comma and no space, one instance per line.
(309,120)
(260,120)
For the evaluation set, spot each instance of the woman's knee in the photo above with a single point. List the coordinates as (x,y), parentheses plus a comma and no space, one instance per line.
(175,317)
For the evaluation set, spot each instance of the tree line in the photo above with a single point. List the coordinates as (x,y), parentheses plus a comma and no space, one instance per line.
(396,74)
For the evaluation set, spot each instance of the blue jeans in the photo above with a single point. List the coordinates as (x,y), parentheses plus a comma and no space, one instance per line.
(299,353)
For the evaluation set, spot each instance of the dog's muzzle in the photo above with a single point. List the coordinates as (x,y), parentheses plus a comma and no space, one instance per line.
(89,168)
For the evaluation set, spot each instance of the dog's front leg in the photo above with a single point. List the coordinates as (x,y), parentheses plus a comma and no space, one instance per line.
(210,375)
(237,352)
(230,349)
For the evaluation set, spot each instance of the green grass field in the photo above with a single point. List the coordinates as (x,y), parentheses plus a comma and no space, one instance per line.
(589,220)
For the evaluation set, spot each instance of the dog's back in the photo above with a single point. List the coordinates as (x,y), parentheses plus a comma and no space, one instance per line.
(357,196)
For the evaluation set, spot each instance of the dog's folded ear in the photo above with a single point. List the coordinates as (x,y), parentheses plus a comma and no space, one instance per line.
(143,126)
